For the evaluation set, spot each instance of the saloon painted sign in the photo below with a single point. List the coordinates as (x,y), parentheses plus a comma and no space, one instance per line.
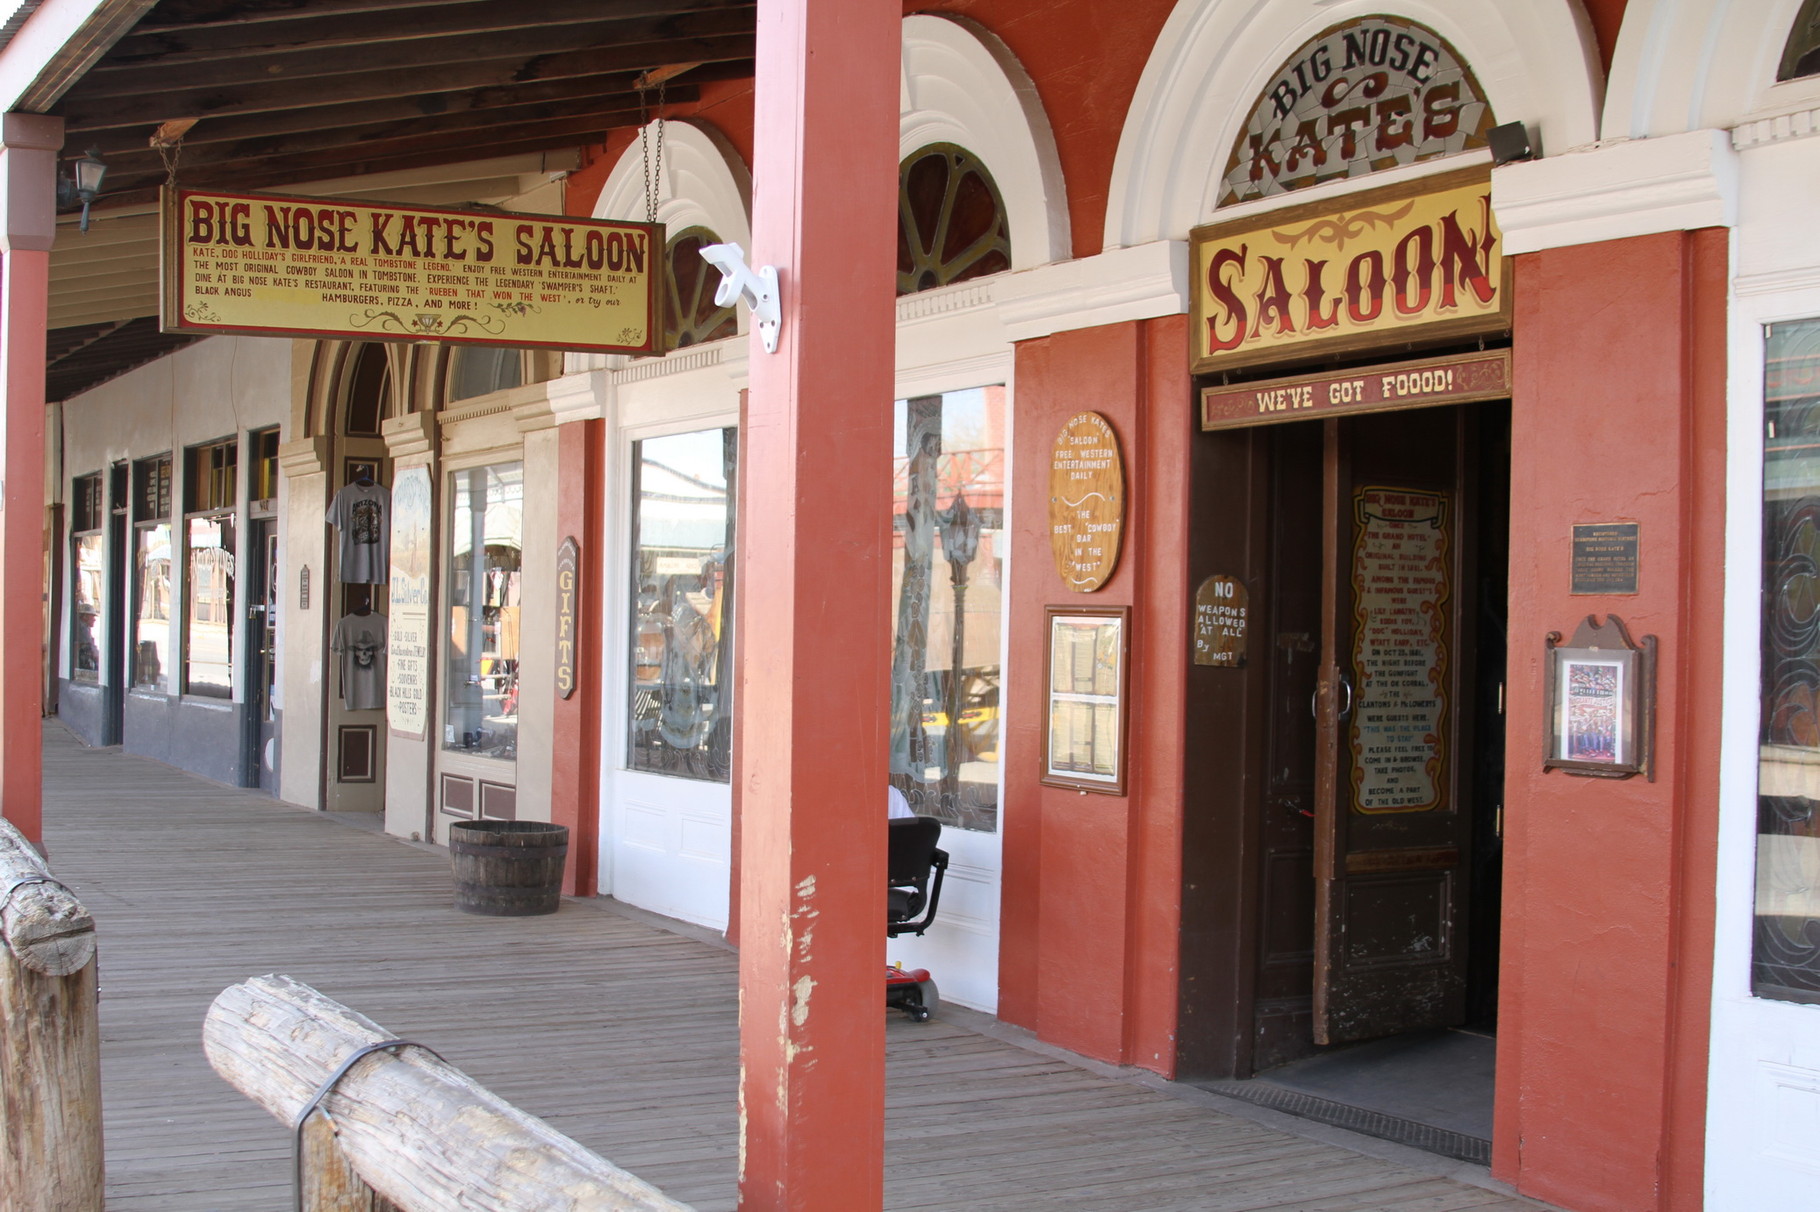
(1371,94)
(313,267)
(1421,261)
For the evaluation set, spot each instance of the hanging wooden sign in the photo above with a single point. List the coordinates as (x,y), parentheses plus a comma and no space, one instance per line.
(568,613)
(266,265)
(1086,502)
(1222,615)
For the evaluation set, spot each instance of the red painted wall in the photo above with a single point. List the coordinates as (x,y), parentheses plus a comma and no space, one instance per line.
(1618,416)
(1091,904)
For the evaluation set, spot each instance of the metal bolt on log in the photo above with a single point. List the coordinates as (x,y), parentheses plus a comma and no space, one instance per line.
(50,1040)
(400,1128)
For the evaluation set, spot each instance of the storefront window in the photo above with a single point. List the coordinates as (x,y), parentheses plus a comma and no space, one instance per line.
(152,574)
(486,539)
(1786,943)
(211,482)
(681,710)
(947,577)
(88,564)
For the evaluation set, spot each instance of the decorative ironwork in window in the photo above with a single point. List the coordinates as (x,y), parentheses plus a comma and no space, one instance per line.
(680,718)
(951,222)
(1785,953)
(948,504)
(690,313)
(1801,56)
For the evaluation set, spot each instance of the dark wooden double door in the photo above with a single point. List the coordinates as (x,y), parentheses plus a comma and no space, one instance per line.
(1368,815)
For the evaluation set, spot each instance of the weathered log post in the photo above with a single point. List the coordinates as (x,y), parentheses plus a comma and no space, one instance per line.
(50,1040)
(421,1133)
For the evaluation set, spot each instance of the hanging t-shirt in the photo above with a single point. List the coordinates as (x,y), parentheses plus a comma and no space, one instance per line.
(362,516)
(360,641)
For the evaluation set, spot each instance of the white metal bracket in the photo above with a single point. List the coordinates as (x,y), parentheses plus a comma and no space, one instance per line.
(757,287)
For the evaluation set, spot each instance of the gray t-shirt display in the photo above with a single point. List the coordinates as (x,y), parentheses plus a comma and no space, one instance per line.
(362,516)
(360,641)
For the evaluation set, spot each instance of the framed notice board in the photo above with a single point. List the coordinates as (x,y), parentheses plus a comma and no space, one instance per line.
(1084,747)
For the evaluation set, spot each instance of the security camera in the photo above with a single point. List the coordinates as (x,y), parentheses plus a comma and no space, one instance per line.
(740,281)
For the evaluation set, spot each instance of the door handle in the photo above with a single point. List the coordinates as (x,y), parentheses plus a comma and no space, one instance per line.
(1314,700)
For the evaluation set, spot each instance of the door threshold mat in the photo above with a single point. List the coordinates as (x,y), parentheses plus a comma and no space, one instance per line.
(1357,1119)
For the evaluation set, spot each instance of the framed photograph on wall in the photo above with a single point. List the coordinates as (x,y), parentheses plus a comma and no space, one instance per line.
(1599,701)
(1084,746)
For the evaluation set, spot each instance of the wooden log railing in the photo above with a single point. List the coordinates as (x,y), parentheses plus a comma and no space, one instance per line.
(404,1129)
(50,1040)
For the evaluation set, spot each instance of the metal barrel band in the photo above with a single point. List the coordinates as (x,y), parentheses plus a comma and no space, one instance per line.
(484,850)
(322,1092)
(6,892)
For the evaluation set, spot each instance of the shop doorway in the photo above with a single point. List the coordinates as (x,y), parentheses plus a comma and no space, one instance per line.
(1377,545)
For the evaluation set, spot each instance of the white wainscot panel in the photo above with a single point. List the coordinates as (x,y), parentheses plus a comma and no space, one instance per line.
(707,838)
(645,826)
(1790,1116)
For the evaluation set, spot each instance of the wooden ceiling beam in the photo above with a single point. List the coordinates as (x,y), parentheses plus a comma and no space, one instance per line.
(454,144)
(404,55)
(191,44)
(172,99)
(292,175)
(202,14)
(550,100)
(587,114)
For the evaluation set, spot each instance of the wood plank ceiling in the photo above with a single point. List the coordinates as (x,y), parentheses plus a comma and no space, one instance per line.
(347,97)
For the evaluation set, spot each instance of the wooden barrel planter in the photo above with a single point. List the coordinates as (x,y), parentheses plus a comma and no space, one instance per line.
(508,868)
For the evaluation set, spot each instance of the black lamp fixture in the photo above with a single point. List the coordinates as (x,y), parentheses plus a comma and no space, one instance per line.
(83,183)
(1510,143)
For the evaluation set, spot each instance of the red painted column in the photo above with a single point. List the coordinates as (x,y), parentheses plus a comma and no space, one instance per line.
(1618,416)
(575,727)
(813,694)
(28,171)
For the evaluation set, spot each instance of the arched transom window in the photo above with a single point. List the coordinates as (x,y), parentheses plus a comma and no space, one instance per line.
(951,220)
(690,313)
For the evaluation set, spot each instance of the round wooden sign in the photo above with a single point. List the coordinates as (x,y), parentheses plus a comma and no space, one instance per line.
(1086,502)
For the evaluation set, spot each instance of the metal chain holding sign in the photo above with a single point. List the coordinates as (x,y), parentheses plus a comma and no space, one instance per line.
(653,180)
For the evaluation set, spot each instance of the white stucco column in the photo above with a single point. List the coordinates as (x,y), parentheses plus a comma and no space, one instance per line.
(28,224)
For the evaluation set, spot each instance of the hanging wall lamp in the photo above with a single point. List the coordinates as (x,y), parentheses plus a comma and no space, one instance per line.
(83,183)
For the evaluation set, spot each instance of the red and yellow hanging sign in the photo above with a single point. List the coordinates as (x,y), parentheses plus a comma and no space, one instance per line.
(312,267)
(1418,262)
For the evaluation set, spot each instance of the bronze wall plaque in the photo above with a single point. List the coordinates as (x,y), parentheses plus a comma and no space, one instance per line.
(1086,502)
(1222,610)
(1605,558)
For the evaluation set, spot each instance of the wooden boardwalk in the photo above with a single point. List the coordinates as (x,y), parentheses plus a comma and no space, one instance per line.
(617,1031)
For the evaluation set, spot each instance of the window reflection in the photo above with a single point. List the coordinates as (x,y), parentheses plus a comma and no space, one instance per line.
(86,654)
(152,606)
(680,713)
(1786,943)
(948,585)
(486,537)
(208,642)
